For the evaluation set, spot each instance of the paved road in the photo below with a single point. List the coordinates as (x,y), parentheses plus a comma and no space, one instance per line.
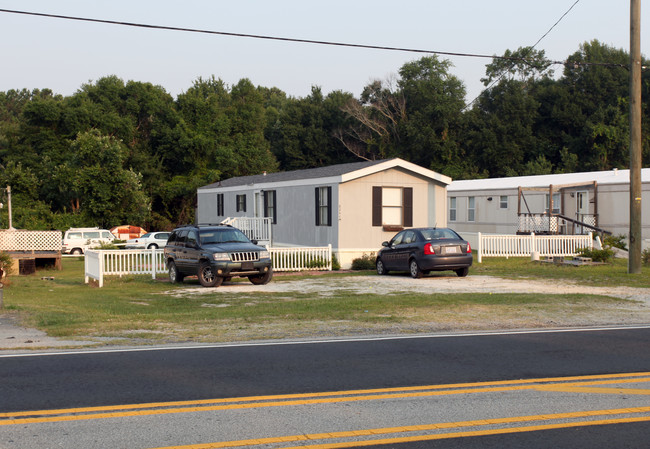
(589,387)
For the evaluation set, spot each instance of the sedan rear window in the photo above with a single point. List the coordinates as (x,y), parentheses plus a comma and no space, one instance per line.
(441,233)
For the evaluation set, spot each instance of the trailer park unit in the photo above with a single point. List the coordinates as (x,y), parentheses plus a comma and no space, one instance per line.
(353,207)
(571,203)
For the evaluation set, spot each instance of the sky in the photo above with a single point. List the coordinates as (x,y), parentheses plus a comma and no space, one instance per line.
(62,55)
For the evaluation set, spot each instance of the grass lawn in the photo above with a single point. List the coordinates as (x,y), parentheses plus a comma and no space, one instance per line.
(137,309)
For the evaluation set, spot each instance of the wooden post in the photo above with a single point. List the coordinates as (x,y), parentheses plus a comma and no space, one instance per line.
(634,255)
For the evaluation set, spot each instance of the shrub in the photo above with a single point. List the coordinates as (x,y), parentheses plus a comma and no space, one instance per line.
(597,255)
(365,262)
(111,245)
(645,256)
(617,241)
(335,263)
(318,262)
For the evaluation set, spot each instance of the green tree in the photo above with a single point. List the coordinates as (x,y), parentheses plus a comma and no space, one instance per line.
(108,194)
(301,130)
(434,101)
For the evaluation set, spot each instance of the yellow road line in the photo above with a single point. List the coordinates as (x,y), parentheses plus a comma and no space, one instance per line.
(435,427)
(160,408)
(596,390)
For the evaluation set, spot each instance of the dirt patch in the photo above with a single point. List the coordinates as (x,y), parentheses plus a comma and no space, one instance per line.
(432,284)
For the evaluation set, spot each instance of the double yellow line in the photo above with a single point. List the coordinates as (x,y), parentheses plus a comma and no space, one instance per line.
(576,384)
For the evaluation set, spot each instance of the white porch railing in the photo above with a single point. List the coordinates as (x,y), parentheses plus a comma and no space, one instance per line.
(100,263)
(302,258)
(497,245)
(255,228)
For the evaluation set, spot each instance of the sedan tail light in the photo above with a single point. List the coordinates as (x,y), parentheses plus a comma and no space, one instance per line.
(469,248)
(428,249)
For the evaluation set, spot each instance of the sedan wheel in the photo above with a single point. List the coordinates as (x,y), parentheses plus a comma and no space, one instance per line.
(207,277)
(416,273)
(152,246)
(381,269)
(462,272)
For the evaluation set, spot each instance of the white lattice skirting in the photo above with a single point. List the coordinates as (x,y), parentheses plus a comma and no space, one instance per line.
(30,240)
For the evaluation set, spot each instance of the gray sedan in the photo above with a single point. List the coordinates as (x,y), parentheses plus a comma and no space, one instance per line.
(421,250)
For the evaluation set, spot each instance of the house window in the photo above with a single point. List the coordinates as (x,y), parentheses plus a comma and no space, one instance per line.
(220,204)
(556,203)
(241,203)
(270,206)
(392,206)
(471,209)
(323,206)
(452,208)
(503,202)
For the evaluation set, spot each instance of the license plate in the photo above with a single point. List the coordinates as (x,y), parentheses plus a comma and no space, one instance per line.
(451,250)
(247,266)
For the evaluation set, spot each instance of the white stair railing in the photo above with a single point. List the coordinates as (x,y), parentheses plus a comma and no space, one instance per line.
(255,228)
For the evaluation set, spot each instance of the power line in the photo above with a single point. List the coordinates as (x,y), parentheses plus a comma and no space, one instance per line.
(531,48)
(257,36)
(295,40)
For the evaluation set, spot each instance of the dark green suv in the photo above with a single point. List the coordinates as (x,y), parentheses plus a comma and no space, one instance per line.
(214,253)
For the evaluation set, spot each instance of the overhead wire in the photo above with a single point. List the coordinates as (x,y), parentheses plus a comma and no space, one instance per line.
(290,39)
(531,48)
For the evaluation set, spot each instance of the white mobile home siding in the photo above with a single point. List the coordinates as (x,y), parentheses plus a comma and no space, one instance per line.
(613,203)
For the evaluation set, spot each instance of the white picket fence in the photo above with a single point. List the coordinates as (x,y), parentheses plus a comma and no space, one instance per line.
(505,245)
(116,262)
(302,258)
(100,263)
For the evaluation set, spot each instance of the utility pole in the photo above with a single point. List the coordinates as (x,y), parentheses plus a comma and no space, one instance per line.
(634,261)
(11,227)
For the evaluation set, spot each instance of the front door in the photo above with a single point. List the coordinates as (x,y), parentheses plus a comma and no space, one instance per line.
(582,209)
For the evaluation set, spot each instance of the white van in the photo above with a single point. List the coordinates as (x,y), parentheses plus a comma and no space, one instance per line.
(78,240)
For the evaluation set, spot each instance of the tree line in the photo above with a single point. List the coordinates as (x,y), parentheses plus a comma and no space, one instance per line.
(120,152)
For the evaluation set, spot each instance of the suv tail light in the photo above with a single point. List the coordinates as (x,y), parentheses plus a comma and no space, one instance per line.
(428,249)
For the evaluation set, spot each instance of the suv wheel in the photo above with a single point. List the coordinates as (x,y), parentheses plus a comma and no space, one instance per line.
(207,276)
(174,275)
(262,278)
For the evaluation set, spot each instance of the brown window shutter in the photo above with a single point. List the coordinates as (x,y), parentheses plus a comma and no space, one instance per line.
(407,200)
(376,206)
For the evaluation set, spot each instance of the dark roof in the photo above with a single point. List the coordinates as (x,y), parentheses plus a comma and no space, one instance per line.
(310,173)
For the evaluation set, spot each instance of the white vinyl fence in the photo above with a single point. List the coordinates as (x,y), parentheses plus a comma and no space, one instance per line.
(302,258)
(498,245)
(100,263)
